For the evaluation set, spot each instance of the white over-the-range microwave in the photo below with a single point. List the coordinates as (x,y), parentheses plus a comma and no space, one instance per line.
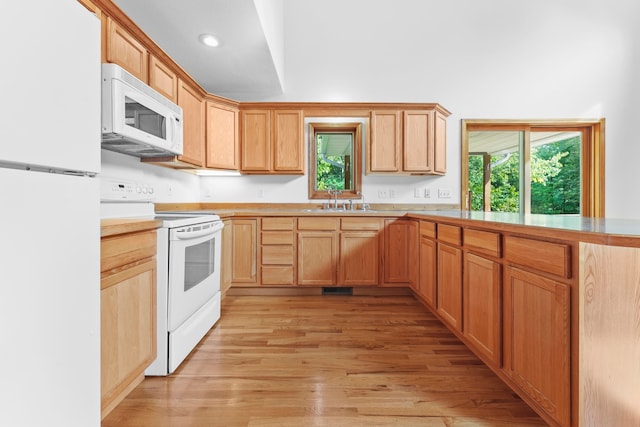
(136,119)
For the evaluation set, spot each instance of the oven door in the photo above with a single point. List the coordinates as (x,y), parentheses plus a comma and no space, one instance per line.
(194,273)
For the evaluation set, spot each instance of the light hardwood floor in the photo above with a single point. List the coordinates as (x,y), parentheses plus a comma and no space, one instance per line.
(326,361)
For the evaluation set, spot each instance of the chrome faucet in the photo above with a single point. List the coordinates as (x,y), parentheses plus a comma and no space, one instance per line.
(365,206)
(335,196)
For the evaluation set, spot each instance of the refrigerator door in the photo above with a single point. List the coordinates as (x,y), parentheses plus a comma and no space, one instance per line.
(49,299)
(50,85)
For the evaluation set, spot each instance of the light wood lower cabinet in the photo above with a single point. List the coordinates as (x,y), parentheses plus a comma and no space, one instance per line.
(244,250)
(400,252)
(278,251)
(449,302)
(482,307)
(427,284)
(226,257)
(317,258)
(318,251)
(359,258)
(537,340)
(127,313)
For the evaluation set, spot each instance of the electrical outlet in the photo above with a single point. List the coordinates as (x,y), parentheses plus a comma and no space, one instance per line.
(392,193)
(383,194)
(417,193)
(444,193)
(427,193)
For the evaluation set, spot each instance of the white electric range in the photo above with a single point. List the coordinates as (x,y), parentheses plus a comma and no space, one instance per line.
(188,269)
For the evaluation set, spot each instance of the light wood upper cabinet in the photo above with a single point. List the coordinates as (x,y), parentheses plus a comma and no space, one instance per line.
(163,79)
(386,142)
(407,142)
(288,141)
(193,117)
(256,141)
(272,141)
(223,149)
(440,144)
(123,49)
(418,149)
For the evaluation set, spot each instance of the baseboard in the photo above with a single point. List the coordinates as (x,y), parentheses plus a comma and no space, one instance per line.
(300,291)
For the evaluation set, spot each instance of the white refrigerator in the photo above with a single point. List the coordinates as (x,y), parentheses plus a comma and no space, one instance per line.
(49,214)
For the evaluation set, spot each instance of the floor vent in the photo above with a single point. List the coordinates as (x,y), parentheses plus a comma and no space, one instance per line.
(337,291)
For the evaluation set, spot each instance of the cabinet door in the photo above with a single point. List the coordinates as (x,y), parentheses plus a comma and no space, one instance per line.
(193,124)
(384,154)
(128,329)
(418,151)
(440,144)
(223,149)
(359,258)
(482,311)
(226,257)
(163,79)
(317,258)
(428,268)
(123,49)
(255,141)
(245,252)
(288,141)
(400,252)
(450,285)
(537,340)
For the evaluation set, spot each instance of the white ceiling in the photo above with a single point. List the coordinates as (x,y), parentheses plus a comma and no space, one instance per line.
(242,68)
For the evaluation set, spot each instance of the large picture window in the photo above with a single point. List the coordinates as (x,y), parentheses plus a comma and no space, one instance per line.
(539,167)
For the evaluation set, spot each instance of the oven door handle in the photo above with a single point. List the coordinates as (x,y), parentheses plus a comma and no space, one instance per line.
(187,235)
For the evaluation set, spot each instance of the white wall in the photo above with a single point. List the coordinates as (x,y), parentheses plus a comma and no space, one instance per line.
(479,59)
(169,185)
(530,59)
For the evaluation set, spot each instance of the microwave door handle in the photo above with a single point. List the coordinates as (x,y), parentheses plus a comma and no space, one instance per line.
(174,127)
(170,127)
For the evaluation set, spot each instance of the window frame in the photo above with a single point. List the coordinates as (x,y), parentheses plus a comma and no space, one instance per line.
(355,128)
(593,155)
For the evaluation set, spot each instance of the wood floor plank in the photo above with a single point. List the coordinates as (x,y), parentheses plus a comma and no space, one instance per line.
(326,361)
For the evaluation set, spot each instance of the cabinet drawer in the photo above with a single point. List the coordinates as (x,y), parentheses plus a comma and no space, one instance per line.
(482,241)
(361,224)
(277,254)
(550,257)
(277,237)
(285,223)
(116,251)
(277,275)
(428,229)
(450,234)
(315,223)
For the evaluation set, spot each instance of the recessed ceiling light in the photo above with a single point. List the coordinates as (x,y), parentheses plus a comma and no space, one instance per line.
(209,40)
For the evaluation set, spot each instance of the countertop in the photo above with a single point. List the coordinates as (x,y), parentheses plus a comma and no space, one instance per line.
(611,231)
(115,226)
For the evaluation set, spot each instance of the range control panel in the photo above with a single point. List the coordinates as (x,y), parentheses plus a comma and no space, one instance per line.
(119,190)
